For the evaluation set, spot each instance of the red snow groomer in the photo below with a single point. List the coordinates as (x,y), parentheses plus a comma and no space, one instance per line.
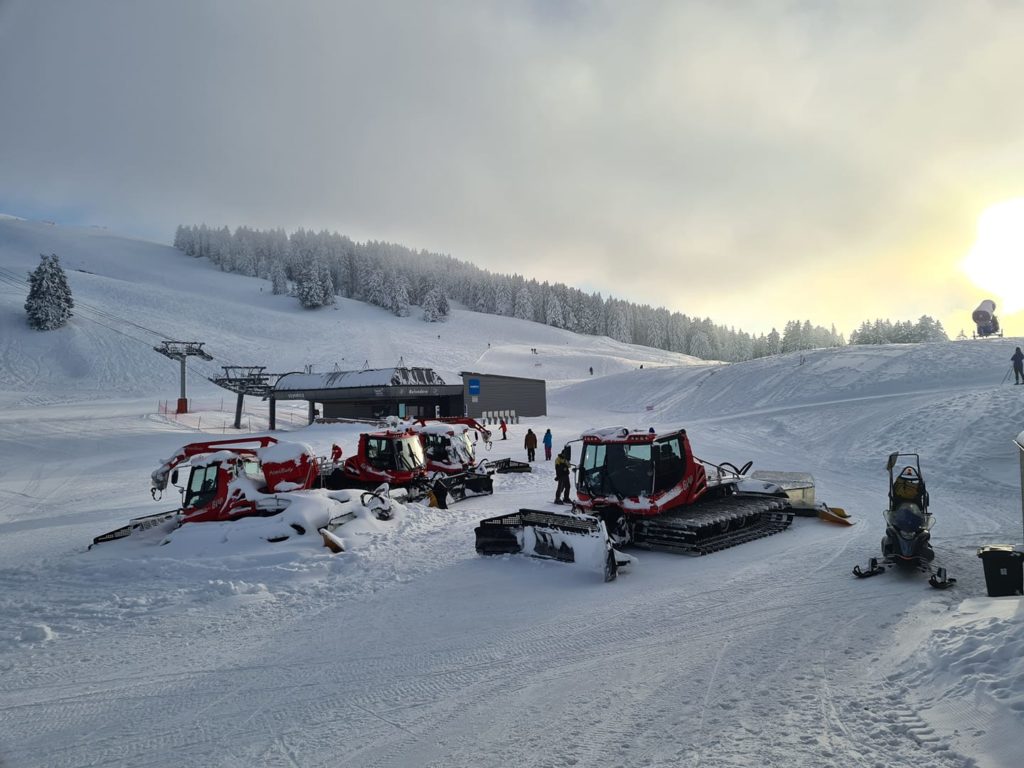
(450,453)
(261,462)
(450,449)
(228,480)
(649,490)
(448,443)
(392,456)
(396,457)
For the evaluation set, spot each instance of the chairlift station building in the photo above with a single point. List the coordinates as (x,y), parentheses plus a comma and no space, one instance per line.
(410,391)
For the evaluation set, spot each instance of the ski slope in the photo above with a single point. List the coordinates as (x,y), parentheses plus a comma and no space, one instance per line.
(409,649)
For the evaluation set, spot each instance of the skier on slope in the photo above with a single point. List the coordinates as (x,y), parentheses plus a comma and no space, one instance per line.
(1018,366)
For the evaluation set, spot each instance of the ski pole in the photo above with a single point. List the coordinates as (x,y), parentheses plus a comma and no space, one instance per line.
(1007,376)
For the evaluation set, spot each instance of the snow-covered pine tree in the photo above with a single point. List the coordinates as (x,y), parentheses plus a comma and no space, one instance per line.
(375,290)
(181,237)
(429,305)
(481,296)
(49,301)
(524,304)
(929,329)
(326,284)
(618,322)
(553,312)
(278,278)
(700,344)
(400,297)
(308,286)
(443,310)
(435,306)
(792,336)
(503,301)
(678,332)
(569,320)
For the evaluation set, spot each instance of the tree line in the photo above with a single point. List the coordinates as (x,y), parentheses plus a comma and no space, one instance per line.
(316,267)
(906,332)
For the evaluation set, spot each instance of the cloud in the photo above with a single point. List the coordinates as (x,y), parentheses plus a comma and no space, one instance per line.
(697,155)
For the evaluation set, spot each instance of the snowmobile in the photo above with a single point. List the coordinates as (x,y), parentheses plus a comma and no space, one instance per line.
(907,540)
(648,490)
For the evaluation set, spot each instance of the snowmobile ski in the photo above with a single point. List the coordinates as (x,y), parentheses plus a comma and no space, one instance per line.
(937,575)
(873,569)
(940,580)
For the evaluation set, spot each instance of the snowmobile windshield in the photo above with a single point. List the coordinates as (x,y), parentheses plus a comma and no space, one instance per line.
(907,518)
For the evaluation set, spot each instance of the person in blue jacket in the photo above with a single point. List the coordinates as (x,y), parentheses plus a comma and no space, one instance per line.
(547,440)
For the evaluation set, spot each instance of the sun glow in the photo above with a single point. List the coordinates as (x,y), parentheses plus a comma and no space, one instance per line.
(996,260)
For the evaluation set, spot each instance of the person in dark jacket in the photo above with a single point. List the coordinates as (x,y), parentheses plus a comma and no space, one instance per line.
(1018,366)
(530,444)
(562,467)
(547,440)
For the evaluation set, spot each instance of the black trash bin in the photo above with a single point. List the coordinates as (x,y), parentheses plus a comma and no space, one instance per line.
(1004,570)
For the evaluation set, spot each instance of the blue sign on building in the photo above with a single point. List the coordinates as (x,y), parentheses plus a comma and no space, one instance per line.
(474,386)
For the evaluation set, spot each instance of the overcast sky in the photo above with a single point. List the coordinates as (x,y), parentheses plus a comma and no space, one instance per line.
(749,161)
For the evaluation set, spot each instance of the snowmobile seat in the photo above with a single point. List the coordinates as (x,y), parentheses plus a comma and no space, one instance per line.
(909,486)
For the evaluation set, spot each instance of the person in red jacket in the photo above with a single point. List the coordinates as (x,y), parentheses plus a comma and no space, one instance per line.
(504,430)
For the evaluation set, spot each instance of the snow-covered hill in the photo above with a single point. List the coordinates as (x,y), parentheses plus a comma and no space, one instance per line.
(130,294)
(409,649)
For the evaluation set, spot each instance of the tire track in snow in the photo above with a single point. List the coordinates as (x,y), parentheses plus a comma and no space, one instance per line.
(445,697)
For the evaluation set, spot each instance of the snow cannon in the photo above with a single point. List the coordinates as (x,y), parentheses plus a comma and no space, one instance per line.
(984,318)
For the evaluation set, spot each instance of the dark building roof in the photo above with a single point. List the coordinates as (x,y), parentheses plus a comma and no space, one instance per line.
(377,377)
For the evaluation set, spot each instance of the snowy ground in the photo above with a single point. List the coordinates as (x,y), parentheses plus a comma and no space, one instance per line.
(409,649)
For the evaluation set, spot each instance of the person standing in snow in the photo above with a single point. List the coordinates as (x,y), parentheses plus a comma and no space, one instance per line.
(1018,366)
(530,444)
(562,466)
(504,430)
(547,440)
